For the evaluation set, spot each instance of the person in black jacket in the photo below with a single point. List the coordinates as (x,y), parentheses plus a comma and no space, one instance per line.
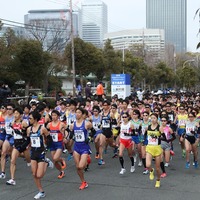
(4,91)
(88,92)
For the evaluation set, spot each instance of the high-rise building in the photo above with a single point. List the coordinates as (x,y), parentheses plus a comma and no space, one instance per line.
(94,22)
(150,42)
(51,27)
(170,15)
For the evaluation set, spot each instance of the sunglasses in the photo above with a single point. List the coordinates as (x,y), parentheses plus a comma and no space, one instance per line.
(9,108)
(163,120)
(124,116)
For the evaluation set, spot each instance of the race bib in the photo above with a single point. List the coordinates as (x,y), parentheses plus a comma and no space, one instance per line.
(35,142)
(181,123)
(17,136)
(106,124)
(54,137)
(79,137)
(9,130)
(152,140)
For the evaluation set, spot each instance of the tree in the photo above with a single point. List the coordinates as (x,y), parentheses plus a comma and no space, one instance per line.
(8,45)
(52,34)
(87,58)
(29,62)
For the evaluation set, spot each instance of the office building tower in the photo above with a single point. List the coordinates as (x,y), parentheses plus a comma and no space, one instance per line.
(94,22)
(170,15)
(51,27)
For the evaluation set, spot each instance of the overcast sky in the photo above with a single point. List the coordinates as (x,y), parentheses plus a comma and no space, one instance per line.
(122,14)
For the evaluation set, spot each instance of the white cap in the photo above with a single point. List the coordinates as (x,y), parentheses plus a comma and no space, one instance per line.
(88,83)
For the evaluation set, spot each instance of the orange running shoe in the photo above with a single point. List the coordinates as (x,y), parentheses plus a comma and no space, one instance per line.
(83,185)
(97,156)
(63,164)
(61,175)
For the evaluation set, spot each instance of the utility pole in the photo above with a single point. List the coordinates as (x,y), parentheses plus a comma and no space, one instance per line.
(72,49)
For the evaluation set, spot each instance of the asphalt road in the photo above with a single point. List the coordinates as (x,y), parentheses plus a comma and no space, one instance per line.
(106,183)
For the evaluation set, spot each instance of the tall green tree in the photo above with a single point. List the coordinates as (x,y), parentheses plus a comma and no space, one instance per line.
(29,63)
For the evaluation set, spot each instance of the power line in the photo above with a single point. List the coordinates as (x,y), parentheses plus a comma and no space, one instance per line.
(92,17)
(32,26)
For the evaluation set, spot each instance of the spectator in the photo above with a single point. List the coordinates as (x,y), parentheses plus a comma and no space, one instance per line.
(4,91)
(88,92)
(100,90)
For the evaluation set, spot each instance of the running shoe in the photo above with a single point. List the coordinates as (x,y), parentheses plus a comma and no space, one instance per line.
(61,175)
(132,169)
(11,182)
(157,185)
(28,164)
(50,163)
(146,171)
(196,164)
(122,171)
(187,165)
(39,195)
(83,185)
(163,175)
(140,163)
(2,175)
(172,153)
(151,175)
(63,164)
(183,153)
(166,164)
(101,162)
(97,156)
(65,151)
(70,156)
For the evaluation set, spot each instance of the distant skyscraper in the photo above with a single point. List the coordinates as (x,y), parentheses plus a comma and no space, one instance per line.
(170,15)
(94,22)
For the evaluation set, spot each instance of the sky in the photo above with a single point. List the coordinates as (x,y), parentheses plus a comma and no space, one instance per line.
(122,14)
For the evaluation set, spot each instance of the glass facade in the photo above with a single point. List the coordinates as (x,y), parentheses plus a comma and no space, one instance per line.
(94,23)
(170,15)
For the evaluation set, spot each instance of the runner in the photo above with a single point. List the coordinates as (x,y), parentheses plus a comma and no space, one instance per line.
(126,142)
(9,140)
(81,147)
(57,129)
(166,143)
(153,149)
(19,128)
(145,124)
(39,163)
(190,140)
(3,113)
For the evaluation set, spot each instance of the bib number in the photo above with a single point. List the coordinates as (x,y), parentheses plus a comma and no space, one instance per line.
(54,137)
(105,124)
(79,137)
(35,142)
(152,140)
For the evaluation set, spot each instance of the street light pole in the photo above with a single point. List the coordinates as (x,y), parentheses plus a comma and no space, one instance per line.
(72,49)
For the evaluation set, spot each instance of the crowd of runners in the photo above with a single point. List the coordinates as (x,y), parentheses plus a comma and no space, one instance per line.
(146,128)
